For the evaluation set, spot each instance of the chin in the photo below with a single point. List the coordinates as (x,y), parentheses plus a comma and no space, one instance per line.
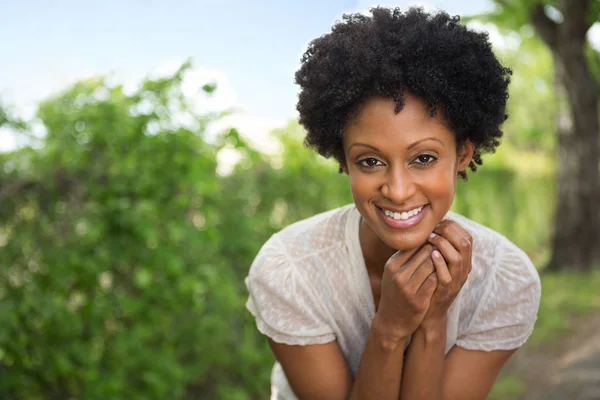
(404,242)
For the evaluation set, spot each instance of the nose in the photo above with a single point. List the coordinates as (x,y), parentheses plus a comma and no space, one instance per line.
(398,186)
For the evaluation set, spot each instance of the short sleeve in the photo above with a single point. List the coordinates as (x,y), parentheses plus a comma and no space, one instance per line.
(505,316)
(282,300)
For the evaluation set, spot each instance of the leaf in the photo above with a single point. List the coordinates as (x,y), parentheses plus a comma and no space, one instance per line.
(209,88)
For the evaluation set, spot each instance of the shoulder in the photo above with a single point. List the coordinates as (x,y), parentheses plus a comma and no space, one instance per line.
(502,294)
(493,253)
(283,293)
(307,237)
(300,246)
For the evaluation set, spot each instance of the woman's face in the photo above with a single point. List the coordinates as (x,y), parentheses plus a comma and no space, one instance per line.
(403,169)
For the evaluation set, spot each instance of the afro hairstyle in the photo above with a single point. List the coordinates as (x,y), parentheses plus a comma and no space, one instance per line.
(431,56)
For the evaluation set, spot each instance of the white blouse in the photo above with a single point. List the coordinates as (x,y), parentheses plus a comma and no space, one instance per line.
(309,285)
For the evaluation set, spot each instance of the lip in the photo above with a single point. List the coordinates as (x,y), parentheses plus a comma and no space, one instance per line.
(403,224)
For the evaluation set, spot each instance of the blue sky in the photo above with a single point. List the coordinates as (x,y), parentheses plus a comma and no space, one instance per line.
(251,47)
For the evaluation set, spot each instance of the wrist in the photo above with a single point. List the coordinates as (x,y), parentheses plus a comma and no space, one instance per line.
(389,339)
(433,328)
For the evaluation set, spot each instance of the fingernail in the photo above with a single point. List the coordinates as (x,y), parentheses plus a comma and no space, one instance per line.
(436,253)
(432,235)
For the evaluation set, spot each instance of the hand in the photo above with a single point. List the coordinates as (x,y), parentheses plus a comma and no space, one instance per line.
(452,261)
(407,286)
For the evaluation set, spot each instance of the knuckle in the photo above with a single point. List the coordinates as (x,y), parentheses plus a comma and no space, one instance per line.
(464,244)
(414,303)
(400,281)
(457,258)
(442,226)
(395,257)
(389,269)
(432,278)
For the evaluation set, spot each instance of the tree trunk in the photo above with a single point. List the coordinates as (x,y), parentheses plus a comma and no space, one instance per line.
(575,243)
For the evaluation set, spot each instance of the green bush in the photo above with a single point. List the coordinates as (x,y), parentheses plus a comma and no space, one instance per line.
(113,284)
(123,253)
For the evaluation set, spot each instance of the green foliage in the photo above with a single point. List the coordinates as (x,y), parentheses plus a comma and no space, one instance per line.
(531,88)
(123,252)
(566,295)
(507,387)
(517,205)
(509,15)
(113,282)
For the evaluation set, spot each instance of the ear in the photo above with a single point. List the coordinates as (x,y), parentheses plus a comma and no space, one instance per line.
(465,154)
(343,168)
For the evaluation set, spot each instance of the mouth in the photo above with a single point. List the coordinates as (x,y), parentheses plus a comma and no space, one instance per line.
(405,219)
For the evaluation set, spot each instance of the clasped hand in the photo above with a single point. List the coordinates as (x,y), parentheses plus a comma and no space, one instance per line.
(419,286)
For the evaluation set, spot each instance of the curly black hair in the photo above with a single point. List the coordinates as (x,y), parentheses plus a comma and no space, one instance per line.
(431,56)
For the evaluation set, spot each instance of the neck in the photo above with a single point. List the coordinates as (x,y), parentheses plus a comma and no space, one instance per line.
(374,250)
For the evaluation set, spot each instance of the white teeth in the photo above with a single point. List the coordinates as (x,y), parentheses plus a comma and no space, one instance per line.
(404,215)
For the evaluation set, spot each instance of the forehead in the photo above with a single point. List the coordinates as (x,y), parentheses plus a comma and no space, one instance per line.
(377,121)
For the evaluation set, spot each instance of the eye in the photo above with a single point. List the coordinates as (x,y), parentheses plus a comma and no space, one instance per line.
(425,159)
(370,162)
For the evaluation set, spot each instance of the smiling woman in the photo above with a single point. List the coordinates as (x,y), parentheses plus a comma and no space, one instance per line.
(394,296)
(400,163)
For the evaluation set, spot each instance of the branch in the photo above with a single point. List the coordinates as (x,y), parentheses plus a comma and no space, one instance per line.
(544,26)
(576,23)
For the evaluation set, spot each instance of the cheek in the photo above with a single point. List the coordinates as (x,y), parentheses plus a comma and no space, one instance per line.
(362,186)
(442,187)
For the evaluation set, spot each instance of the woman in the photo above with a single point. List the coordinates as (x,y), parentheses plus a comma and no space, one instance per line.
(395,296)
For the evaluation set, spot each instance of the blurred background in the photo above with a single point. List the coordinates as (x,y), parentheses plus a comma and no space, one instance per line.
(149,148)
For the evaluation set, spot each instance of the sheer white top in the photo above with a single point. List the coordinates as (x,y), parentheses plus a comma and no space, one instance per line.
(309,285)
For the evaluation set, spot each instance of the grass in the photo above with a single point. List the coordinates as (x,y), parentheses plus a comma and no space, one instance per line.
(507,387)
(565,296)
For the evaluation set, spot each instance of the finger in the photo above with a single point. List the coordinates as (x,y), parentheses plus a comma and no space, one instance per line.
(428,287)
(420,276)
(399,259)
(451,256)
(406,264)
(460,239)
(441,269)
(422,255)
(456,235)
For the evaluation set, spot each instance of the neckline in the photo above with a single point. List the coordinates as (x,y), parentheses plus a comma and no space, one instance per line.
(359,270)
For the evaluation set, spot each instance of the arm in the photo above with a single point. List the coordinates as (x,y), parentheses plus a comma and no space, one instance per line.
(425,364)
(320,371)
(424,375)
(461,374)
(470,374)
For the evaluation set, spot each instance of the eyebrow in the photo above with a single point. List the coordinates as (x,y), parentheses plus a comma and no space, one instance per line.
(408,148)
(423,140)
(363,144)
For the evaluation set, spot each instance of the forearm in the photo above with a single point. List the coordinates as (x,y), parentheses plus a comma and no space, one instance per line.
(380,370)
(424,365)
